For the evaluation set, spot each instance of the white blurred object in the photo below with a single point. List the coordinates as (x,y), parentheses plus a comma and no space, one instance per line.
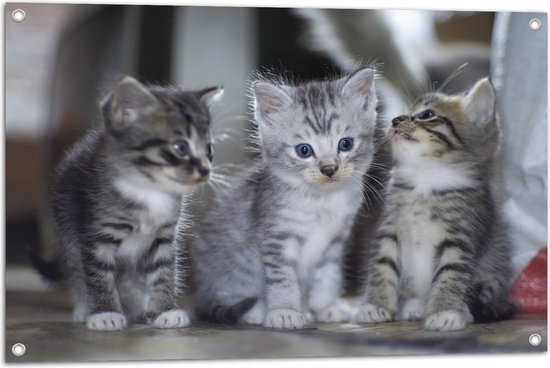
(519,74)
(404,44)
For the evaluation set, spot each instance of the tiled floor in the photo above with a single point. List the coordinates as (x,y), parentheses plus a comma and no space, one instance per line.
(41,321)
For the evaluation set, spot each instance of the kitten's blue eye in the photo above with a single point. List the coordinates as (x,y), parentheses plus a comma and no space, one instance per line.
(180,148)
(425,115)
(304,150)
(345,144)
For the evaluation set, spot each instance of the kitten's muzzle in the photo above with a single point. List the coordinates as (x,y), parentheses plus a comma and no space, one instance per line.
(329,170)
(402,126)
(203,171)
(197,167)
(401,118)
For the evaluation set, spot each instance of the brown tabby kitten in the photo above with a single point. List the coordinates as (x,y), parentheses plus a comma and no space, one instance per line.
(441,252)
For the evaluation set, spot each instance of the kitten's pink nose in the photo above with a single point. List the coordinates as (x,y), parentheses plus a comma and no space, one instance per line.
(329,170)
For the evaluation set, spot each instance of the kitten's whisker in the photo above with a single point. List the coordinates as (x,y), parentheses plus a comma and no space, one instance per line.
(227,165)
(371,188)
(453,75)
(360,185)
(221,181)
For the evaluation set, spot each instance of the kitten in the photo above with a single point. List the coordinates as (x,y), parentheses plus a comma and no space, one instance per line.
(442,254)
(269,251)
(116,199)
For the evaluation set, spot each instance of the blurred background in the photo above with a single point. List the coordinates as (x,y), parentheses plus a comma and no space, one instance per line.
(59,58)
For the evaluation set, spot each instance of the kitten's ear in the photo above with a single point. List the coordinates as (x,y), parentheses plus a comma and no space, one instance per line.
(269,98)
(359,83)
(209,96)
(480,102)
(129,99)
(360,86)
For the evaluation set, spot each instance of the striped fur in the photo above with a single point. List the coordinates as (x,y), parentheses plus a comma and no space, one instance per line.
(269,252)
(441,253)
(116,200)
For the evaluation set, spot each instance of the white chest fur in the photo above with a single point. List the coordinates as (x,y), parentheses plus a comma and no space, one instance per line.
(324,220)
(418,233)
(159,208)
(160,205)
(426,176)
(419,237)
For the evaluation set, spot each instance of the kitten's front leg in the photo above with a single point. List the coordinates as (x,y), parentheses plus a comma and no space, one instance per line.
(98,262)
(326,290)
(159,267)
(382,280)
(447,309)
(283,296)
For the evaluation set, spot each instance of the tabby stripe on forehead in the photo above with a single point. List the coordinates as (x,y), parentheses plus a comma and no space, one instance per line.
(451,127)
(310,123)
(153,142)
(331,118)
(441,136)
(319,112)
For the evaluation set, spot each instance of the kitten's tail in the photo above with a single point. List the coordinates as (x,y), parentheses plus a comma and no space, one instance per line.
(50,270)
(226,314)
(497,310)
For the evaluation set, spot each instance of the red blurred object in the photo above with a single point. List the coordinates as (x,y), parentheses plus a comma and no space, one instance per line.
(529,291)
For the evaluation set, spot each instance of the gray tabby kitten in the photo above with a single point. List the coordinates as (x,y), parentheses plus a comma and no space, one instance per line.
(442,254)
(116,200)
(269,252)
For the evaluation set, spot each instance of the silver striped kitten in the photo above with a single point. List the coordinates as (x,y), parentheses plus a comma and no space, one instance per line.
(441,253)
(116,200)
(269,252)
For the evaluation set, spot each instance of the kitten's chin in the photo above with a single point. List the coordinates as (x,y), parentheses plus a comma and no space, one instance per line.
(188,188)
(330,184)
(180,188)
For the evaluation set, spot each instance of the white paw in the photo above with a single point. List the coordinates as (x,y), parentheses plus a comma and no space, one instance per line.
(284,318)
(336,313)
(172,319)
(413,310)
(370,313)
(107,321)
(446,321)
(254,316)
